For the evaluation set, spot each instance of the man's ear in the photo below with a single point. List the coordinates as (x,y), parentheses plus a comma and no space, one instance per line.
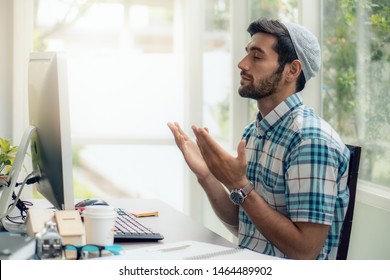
(294,69)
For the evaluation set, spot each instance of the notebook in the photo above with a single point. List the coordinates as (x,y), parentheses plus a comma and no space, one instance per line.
(14,246)
(190,250)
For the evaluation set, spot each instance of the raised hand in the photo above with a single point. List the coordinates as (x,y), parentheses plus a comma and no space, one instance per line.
(229,170)
(190,151)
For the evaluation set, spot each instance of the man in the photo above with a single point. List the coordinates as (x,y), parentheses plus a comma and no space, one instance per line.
(285,193)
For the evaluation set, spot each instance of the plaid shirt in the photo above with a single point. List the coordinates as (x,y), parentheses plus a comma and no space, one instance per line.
(299,166)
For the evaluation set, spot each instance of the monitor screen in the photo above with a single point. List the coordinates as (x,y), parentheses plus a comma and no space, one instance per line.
(51,150)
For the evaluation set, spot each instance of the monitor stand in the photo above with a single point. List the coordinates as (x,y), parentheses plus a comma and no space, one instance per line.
(6,194)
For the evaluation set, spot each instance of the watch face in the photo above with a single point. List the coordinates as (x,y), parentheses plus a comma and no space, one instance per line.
(236,197)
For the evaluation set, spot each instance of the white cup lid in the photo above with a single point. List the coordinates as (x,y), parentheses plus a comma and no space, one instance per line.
(99,210)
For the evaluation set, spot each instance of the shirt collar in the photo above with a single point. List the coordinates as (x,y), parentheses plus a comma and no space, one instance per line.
(266,125)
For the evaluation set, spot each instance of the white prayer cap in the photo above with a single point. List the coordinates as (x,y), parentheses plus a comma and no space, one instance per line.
(307,48)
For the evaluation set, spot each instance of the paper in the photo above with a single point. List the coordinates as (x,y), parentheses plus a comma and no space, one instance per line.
(191,250)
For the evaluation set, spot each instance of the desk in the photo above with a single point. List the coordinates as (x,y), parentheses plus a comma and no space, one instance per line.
(176,228)
(171,223)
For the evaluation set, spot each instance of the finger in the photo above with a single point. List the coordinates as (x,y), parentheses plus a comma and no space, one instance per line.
(171,126)
(179,139)
(199,141)
(177,131)
(241,151)
(173,129)
(211,151)
(198,137)
(206,142)
(181,131)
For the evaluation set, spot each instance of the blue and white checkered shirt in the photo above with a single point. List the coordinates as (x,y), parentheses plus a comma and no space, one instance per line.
(299,166)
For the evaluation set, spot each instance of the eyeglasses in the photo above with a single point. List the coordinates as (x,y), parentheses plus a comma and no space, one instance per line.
(77,252)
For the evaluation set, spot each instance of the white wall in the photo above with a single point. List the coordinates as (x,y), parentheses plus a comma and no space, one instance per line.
(371,223)
(370,233)
(6,28)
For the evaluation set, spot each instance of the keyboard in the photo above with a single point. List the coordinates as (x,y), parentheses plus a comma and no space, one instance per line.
(129,229)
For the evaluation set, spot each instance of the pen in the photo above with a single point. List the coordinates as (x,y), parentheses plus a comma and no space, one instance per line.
(171,248)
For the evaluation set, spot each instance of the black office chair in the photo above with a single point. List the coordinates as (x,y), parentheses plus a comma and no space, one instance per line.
(354,161)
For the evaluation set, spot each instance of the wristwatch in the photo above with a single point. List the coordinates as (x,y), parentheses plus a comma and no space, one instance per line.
(238,196)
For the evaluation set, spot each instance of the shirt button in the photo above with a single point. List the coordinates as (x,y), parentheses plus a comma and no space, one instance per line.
(251,232)
(269,133)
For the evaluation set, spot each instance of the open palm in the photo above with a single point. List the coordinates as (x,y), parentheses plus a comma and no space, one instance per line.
(190,151)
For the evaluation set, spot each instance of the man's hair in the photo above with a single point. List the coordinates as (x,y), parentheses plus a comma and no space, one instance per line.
(283,47)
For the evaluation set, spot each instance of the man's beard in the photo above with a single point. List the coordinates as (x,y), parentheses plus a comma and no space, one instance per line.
(264,88)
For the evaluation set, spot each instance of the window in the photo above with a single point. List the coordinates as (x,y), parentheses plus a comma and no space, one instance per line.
(217,67)
(125,84)
(356,53)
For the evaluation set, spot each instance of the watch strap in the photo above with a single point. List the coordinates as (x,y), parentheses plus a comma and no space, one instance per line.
(247,189)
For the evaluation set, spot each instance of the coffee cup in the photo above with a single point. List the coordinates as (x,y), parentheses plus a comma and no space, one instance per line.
(99,223)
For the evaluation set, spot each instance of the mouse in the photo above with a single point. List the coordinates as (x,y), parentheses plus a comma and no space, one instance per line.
(88,202)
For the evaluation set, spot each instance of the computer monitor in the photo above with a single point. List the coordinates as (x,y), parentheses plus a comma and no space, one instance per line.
(51,149)
(48,134)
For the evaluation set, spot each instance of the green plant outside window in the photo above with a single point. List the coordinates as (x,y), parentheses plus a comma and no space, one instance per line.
(356,70)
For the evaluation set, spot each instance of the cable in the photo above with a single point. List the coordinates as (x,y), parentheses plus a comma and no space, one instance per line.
(22,206)
(30,181)
(35,175)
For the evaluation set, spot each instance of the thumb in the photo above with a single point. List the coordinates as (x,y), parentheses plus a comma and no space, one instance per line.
(241,154)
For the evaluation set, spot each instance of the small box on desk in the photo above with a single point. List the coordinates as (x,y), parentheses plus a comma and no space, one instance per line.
(37,218)
(70,227)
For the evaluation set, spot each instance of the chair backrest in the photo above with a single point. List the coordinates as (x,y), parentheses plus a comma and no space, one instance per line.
(354,161)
